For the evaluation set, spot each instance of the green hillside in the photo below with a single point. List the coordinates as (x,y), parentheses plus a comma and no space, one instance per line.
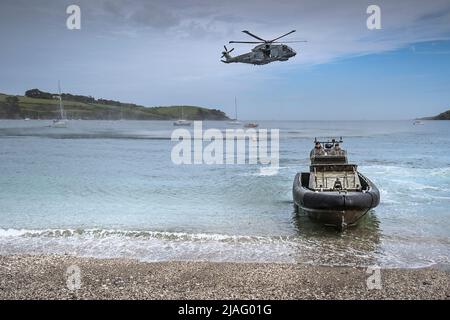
(42,106)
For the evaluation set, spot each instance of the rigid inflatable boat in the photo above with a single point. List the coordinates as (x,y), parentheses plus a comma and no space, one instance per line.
(333,192)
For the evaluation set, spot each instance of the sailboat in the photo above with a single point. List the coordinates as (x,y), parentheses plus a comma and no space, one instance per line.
(121,113)
(62,122)
(235,121)
(182,121)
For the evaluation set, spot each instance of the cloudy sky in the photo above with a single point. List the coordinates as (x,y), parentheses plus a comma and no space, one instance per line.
(168,52)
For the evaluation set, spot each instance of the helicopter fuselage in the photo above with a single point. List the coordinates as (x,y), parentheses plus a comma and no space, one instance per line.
(263,54)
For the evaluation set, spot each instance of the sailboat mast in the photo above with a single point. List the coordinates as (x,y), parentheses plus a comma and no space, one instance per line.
(182,113)
(61,108)
(235,109)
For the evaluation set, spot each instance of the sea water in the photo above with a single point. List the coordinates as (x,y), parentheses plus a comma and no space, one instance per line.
(109,189)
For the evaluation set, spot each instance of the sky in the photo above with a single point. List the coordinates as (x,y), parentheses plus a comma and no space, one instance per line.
(158,53)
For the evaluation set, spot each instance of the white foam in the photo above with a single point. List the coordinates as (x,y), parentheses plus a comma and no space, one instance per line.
(181,246)
(268,171)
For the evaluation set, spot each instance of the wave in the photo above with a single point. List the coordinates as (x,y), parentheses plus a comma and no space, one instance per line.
(408,171)
(143,234)
(267,171)
(147,245)
(441,172)
(152,246)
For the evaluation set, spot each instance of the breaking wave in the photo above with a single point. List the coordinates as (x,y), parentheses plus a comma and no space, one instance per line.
(153,246)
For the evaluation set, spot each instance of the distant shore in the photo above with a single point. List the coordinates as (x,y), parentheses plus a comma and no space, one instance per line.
(44,277)
(43,105)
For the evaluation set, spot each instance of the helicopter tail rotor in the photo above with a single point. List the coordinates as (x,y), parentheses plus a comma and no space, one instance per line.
(226,53)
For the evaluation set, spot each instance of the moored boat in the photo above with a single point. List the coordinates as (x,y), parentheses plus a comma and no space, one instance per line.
(251,125)
(182,121)
(333,192)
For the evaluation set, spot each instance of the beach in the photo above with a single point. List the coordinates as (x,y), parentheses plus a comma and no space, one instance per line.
(45,277)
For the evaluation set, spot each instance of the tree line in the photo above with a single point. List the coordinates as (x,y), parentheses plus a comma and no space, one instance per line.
(38,94)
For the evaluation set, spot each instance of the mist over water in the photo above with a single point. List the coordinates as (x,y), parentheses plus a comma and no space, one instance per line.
(110,189)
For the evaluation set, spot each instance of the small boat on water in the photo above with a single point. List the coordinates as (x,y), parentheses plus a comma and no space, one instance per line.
(59,123)
(418,123)
(333,192)
(251,125)
(182,121)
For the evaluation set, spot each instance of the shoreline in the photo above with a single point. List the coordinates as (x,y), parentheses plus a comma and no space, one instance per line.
(46,277)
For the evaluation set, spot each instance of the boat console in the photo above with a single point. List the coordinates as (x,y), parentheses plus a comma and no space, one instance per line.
(330,170)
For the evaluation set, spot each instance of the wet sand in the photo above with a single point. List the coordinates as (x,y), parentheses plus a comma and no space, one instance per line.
(44,277)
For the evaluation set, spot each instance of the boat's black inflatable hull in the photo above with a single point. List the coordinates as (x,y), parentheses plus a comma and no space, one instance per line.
(334,208)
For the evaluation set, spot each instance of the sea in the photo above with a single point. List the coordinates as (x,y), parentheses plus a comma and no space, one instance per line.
(109,189)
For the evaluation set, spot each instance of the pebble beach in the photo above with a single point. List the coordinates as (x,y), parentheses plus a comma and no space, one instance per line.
(46,277)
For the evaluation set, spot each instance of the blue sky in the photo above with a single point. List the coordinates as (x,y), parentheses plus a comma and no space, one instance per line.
(168,52)
(400,84)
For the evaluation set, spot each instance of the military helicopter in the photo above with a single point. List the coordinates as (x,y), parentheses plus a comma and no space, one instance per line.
(264,53)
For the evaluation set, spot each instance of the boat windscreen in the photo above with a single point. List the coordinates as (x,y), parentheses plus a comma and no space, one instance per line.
(329,159)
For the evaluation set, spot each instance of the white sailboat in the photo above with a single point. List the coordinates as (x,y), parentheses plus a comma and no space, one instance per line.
(235,121)
(62,122)
(182,121)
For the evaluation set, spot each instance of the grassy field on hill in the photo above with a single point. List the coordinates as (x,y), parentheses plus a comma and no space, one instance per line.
(40,108)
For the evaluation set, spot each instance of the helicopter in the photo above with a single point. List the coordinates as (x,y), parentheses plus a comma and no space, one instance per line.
(264,53)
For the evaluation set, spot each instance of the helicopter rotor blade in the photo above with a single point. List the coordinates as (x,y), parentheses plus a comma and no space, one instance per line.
(293,41)
(284,35)
(253,42)
(254,36)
